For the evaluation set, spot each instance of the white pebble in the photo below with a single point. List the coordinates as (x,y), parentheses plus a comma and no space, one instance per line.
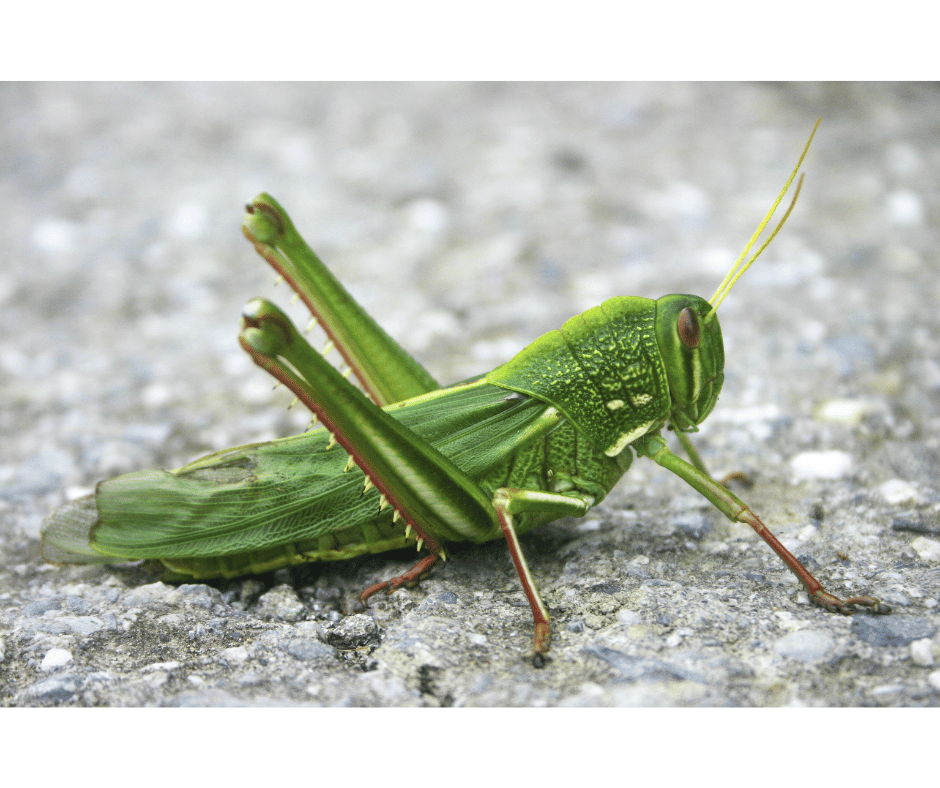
(807,532)
(153,592)
(807,645)
(55,236)
(843,411)
(157,395)
(160,666)
(189,220)
(927,549)
(897,491)
(717,548)
(905,207)
(628,617)
(934,679)
(922,652)
(427,214)
(809,465)
(55,658)
(236,655)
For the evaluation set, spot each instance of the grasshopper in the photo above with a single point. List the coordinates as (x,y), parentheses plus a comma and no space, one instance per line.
(544,436)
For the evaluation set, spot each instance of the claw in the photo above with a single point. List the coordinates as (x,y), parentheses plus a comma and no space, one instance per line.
(847,606)
(543,635)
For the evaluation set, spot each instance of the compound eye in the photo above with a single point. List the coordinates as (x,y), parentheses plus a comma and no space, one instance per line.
(688,328)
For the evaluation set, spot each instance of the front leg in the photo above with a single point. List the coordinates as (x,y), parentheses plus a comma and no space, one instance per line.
(654,447)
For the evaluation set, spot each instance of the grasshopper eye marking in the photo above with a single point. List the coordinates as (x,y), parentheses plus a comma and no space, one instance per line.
(546,435)
(688,328)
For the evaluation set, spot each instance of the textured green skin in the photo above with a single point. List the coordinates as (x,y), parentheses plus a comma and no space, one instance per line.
(264,506)
(606,369)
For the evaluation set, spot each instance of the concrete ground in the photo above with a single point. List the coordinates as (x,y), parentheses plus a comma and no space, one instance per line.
(469,219)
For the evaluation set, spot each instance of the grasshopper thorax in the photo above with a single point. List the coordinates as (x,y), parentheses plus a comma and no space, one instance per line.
(694,357)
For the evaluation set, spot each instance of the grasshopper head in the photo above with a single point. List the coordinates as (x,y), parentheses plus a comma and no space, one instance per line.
(689,335)
(690,342)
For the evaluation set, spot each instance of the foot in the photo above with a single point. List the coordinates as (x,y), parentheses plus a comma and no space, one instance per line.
(848,606)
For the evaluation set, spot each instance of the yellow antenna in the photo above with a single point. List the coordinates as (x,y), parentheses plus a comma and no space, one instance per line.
(738,269)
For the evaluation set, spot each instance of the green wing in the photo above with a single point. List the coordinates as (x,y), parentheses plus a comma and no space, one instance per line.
(291,491)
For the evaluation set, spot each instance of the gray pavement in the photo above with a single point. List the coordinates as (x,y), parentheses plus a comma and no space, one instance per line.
(469,219)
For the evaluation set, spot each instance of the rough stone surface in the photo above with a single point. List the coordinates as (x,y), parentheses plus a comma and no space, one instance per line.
(469,219)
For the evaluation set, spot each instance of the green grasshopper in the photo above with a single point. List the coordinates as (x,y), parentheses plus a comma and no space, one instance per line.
(544,436)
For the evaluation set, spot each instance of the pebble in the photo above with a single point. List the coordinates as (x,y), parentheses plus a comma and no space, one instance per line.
(922,652)
(895,598)
(55,658)
(927,549)
(146,594)
(189,220)
(806,645)
(41,606)
(884,690)
(308,649)
(892,630)
(694,525)
(236,655)
(354,631)
(843,411)
(196,594)
(160,666)
(60,688)
(632,668)
(433,604)
(81,625)
(934,679)
(628,617)
(898,491)
(586,526)
(55,236)
(904,207)
(77,605)
(280,603)
(809,465)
